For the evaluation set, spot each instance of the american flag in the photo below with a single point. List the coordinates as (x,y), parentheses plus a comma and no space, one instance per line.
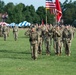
(50,4)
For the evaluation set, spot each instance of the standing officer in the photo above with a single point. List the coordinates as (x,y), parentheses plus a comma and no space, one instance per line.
(56,38)
(39,31)
(0,30)
(8,30)
(33,38)
(47,40)
(15,32)
(67,37)
(50,33)
(4,31)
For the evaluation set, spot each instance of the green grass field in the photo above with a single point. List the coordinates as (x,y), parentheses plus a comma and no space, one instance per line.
(15,59)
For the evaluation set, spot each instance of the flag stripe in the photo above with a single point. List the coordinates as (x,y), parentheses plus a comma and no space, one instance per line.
(50,4)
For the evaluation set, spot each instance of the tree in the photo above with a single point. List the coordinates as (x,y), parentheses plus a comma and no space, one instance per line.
(9,8)
(41,13)
(69,10)
(2,4)
(19,17)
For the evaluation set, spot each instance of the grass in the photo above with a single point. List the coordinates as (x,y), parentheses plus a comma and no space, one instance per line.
(15,59)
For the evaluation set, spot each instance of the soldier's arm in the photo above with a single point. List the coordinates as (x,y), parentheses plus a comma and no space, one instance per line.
(71,34)
(58,33)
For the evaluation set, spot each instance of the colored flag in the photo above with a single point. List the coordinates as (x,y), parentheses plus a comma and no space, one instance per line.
(58,11)
(50,4)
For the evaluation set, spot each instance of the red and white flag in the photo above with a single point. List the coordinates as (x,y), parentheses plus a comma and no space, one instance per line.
(58,11)
(50,4)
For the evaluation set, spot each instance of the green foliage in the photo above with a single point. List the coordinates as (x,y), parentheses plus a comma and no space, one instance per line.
(19,12)
(42,13)
(69,10)
(2,4)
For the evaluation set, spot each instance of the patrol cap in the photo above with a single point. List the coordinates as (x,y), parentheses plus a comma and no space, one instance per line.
(33,26)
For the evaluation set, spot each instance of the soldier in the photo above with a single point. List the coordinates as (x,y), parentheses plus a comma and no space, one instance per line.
(8,30)
(0,30)
(67,37)
(50,33)
(15,32)
(39,31)
(47,41)
(61,41)
(33,38)
(56,38)
(4,31)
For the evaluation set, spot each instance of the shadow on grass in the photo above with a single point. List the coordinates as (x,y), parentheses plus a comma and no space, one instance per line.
(14,55)
(6,51)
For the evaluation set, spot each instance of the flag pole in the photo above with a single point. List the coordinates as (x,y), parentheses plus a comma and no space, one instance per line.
(46,16)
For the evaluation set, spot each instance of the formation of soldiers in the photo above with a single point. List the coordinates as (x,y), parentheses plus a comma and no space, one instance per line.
(4,31)
(60,36)
(45,35)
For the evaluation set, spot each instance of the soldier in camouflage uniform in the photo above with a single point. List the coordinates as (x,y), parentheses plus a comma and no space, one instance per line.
(0,30)
(67,37)
(61,41)
(33,38)
(8,30)
(15,32)
(56,38)
(39,31)
(50,33)
(47,40)
(4,31)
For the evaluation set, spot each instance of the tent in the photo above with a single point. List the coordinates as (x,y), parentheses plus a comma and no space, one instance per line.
(4,23)
(24,23)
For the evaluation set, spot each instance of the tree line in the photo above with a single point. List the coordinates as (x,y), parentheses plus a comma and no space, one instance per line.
(20,12)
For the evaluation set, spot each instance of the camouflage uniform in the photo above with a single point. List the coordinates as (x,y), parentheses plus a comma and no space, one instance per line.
(46,38)
(15,32)
(39,31)
(8,30)
(50,34)
(47,42)
(4,31)
(67,37)
(0,30)
(61,41)
(56,38)
(33,38)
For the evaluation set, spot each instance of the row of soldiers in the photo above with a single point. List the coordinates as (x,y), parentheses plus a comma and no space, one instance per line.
(4,31)
(61,36)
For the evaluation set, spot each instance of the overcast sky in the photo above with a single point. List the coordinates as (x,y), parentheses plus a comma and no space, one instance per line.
(35,3)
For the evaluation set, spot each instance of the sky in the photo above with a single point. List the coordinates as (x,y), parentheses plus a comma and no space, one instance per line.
(35,3)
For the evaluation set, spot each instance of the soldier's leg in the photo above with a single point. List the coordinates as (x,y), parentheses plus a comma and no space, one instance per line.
(36,51)
(5,36)
(47,48)
(54,46)
(68,49)
(39,48)
(65,46)
(50,41)
(8,34)
(61,46)
(15,35)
